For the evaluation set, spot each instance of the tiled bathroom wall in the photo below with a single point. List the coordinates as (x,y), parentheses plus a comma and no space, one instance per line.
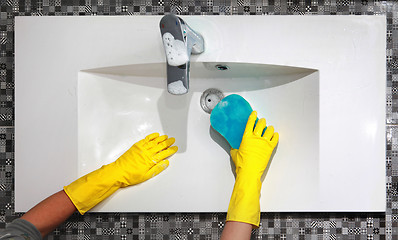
(315,226)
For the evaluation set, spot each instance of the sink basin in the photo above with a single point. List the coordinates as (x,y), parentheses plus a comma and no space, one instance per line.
(83,97)
(120,105)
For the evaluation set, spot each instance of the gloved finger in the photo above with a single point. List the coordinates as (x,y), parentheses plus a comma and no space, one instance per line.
(155,141)
(258,130)
(165,153)
(269,132)
(151,136)
(163,145)
(160,139)
(156,169)
(275,139)
(144,142)
(250,122)
(233,153)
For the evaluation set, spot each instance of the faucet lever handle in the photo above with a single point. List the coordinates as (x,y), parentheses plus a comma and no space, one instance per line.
(195,41)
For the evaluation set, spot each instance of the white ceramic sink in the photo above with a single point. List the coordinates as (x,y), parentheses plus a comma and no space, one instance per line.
(85,95)
(118,106)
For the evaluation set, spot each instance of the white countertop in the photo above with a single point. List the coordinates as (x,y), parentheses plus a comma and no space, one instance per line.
(347,51)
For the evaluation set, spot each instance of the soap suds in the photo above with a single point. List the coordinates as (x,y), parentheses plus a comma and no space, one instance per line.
(176,51)
(223,103)
(177,87)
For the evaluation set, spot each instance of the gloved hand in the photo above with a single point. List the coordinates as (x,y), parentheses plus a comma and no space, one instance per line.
(250,160)
(145,159)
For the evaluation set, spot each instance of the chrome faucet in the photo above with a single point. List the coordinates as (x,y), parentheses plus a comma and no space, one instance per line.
(179,41)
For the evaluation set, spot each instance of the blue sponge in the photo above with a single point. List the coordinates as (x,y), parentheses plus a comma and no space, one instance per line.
(229,118)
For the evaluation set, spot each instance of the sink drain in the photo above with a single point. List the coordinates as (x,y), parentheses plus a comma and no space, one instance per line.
(210,98)
(222,67)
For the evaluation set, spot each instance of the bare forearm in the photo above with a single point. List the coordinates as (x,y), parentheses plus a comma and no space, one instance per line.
(50,213)
(236,230)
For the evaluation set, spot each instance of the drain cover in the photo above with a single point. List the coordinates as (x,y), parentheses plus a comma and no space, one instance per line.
(210,98)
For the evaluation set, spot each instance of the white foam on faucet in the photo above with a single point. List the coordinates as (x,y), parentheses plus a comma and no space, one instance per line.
(176,51)
(177,87)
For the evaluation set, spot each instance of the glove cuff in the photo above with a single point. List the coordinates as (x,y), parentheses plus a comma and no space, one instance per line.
(244,205)
(91,189)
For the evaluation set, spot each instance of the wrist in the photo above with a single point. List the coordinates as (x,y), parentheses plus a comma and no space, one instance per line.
(248,186)
(244,205)
(248,177)
(89,190)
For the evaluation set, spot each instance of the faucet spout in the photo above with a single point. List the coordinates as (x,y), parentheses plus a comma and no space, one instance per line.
(179,41)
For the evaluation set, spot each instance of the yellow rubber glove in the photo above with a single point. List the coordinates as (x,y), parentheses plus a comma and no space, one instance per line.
(144,160)
(250,160)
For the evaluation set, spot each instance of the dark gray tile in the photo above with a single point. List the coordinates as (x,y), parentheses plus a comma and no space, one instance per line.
(203,225)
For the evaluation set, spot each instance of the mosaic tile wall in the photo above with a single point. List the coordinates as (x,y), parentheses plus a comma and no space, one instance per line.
(192,225)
